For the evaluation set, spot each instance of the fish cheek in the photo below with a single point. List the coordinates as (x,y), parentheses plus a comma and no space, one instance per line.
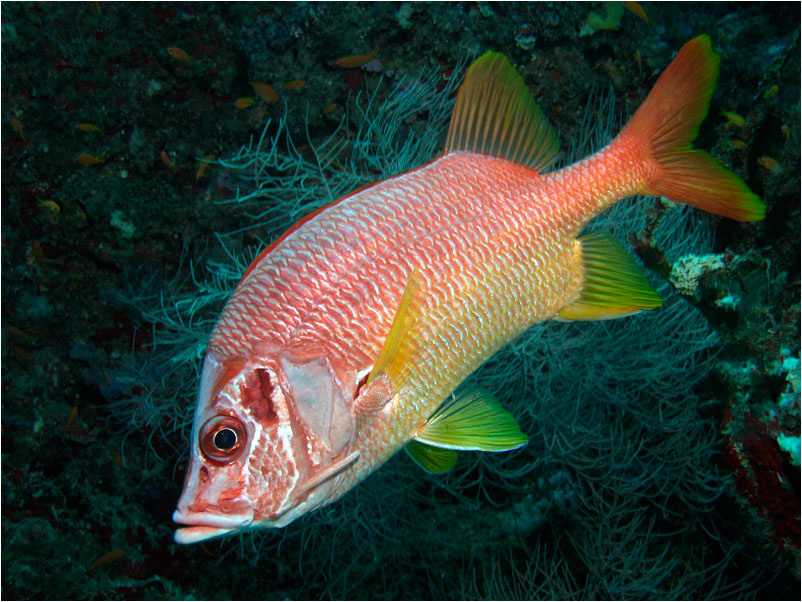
(256,394)
(320,404)
(272,469)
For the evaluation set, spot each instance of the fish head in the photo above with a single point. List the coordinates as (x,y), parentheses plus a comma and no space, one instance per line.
(269,436)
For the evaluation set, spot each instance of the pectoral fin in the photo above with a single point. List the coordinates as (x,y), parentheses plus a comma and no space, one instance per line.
(388,373)
(472,420)
(399,344)
(614,285)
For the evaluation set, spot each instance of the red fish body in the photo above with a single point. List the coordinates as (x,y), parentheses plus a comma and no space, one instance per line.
(346,335)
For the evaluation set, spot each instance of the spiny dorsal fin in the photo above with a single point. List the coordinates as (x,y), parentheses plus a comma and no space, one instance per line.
(398,346)
(472,420)
(496,115)
(614,285)
(431,459)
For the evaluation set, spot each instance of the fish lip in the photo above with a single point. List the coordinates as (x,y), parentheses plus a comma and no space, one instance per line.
(202,526)
(188,535)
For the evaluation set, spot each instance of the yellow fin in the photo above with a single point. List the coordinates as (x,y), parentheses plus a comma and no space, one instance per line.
(614,285)
(431,459)
(398,346)
(472,420)
(496,115)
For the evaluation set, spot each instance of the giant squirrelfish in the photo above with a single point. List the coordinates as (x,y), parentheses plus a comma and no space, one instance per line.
(348,337)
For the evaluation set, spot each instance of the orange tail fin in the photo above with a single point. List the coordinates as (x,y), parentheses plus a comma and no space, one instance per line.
(668,121)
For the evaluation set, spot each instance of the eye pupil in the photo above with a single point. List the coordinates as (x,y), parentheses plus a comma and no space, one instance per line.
(225,439)
(222,439)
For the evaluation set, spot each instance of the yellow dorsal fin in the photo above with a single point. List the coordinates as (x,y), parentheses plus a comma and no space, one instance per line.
(614,285)
(398,346)
(431,459)
(496,115)
(472,420)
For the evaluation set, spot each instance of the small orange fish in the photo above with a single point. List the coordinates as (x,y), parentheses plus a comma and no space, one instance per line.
(771,92)
(734,119)
(771,164)
(639,62)
(356,60)
(786,132)
(329,108)
(739,144)
(166,160)
(243,103)
(39,255)
(347,337)
(295,84)
(49,205)
(178,54)
(89,127)
(117,458)
(265,92)
(107,558)
(70,419)
(636,9)
(16,125)
(88,159)
(203,164)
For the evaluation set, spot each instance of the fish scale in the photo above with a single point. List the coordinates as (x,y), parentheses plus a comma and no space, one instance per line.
(522,233)
(346,335)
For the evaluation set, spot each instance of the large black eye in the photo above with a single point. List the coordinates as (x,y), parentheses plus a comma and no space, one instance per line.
(225,439)
(222,439)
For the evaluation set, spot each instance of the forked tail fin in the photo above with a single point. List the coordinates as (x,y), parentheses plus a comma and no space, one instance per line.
(666,124)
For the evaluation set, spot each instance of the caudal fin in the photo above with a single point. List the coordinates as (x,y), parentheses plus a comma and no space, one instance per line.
(668,121)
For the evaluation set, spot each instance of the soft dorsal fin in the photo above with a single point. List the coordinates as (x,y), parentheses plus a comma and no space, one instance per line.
(496,115)
(614,285)
(472,420)
(431,459)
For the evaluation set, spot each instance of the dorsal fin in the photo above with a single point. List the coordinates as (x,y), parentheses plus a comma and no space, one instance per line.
(496,115)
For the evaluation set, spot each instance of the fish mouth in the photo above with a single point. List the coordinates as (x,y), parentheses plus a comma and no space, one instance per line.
(207,526)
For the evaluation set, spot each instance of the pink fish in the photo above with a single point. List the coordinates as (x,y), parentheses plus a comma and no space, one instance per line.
(346,335)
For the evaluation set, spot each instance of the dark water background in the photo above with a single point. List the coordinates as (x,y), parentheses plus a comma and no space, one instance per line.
(88,468)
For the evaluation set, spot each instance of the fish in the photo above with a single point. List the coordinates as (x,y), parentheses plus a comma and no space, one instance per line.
(771,164)
(168,162)
(734,118)
(265,91)
(89,127)
(636,9)
(179,54)
(244,102)
(105,559)
(349,337)
(356,60)
(203,165)
(18,128)
(295,84)
(89,159)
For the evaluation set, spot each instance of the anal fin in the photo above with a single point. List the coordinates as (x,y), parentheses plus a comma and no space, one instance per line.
(613,286)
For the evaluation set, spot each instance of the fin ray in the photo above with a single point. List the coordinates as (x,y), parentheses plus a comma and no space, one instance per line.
(472,419)
(496,115)
(431,459)
(399,344)
(666,124)
(614,285)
